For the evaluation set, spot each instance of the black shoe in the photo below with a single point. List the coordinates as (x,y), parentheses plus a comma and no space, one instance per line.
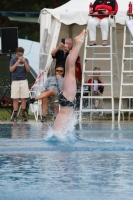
(24,118)
(32,100)
(14,118)
(44,119)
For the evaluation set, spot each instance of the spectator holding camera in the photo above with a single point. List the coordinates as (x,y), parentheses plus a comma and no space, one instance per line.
(61,52)
(19,66)
(100,16)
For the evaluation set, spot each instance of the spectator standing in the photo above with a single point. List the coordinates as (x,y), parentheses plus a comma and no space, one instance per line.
(61,52)
(19,66)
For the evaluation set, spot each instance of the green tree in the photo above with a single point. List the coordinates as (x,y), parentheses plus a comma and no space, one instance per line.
(30,5)
(29,30)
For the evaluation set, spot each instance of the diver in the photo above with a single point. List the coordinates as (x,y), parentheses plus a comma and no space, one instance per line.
(67,96)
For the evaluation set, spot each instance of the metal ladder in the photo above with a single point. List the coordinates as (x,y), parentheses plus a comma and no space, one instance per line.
(126,75)
(105,73)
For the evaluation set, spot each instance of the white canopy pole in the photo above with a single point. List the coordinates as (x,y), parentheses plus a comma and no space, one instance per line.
(49,32)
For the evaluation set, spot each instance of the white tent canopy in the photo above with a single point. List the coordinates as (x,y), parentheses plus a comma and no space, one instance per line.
(73,12)
(76,11)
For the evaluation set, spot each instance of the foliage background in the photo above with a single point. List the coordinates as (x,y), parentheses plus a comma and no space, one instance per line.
(30,31)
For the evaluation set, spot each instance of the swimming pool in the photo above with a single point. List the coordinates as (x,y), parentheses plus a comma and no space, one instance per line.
(96,164)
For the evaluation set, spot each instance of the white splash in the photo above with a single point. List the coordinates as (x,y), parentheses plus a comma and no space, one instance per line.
(67,132)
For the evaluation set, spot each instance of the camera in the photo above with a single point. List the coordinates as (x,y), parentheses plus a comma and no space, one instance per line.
(63,40)
(101,11)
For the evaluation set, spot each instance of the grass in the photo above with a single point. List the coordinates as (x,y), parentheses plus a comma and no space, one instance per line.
(107,117)
(5,115)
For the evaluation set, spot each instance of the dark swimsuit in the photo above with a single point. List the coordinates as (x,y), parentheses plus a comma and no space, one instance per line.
(64,102)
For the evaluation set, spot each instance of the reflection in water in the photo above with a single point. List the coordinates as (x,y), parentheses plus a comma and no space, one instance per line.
(19,130)
(97,166)
(23,130)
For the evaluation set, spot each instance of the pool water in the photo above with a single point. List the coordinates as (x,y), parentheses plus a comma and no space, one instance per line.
(96,163)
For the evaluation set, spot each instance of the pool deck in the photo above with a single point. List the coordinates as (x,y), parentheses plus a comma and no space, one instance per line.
(83,122)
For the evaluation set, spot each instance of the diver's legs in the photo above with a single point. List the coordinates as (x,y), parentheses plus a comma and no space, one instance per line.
(69,84)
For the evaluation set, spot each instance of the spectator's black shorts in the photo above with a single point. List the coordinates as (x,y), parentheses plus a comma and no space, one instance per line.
(64,102)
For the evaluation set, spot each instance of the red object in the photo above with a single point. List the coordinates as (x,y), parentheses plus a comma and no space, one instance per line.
(109,8)
(78,70)
(5,100)
(91,8)
(100,84)
(130,7)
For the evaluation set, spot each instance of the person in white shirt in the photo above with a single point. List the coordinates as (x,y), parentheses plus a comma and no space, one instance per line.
(97,88)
